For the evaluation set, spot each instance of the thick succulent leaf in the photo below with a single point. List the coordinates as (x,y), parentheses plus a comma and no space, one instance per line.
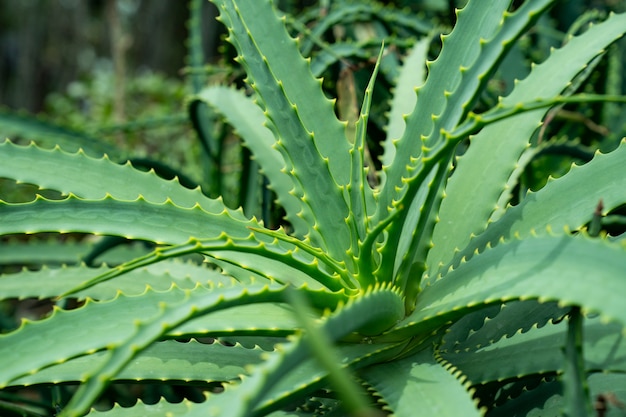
(375,309)
(52,282)
(304,378)
(98,325)
(259,393)
(171,314)
(164,222)
(419,385)
(310,376)
(276,47)
(565,203)
(496,322)
(445,99)
(607,391)
(412,75)
(50,134)
(349,12)
(254,320)
(43,251)
(94,178)
(249,121)
(162,361)
(309,135)
(171,410)
(428,174)
(575,270)
(284,268)
(494,152)
(539,351)
(359,190)
(160,409)
(275,261)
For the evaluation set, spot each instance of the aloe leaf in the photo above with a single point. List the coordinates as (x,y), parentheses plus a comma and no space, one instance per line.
(254,320)
(167,360)
(249,120)
(492,324)
(51,282)
(444,99)
(419,385)
(254,396)
(412,75)
(302,119)
(99,325)
(358,188)
(507,139)
(162,312)
(475,122)
(538,350)
(579,190)
(173,410)
(321,348)
(43,251)
(276,261)
(139,219)
(425,175)
(543,267)
(309,376)
(89,177)
(50,133)
(346,12)
(302,90)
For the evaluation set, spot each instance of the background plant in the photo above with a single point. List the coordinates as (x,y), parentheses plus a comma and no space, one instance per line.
(413,293)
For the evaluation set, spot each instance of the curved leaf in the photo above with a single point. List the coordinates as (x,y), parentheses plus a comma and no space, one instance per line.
(163,361)
(140,219)
(444,99)
(575,270)
(564,203)
(310,137)
(418,385)
(494,152)
(94,178)
(52,282)
(249,121)
(50,133)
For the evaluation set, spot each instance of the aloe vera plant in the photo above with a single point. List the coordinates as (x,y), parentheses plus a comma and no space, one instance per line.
(424,294)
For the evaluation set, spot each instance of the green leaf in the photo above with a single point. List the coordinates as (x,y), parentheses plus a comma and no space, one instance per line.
(140,219)
(275,262)
(565,203)
(418,385)
(538,349)
(100,325)
(412,76)
(418,188)
(253,396)
(167,360)
(359,189)
(249,121)
(575,270)
(51,134)
(43,251)
(163,312)
(309,135)
(455,79)
(52,282)
(494,152)
(95,178)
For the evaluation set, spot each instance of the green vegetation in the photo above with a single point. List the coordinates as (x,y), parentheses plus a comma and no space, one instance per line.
(411,256)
